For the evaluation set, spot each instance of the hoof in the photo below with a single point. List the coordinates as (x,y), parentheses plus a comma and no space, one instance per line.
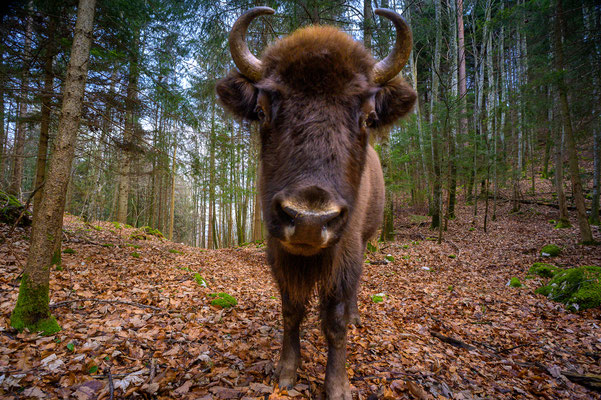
(343,394)
(286,376)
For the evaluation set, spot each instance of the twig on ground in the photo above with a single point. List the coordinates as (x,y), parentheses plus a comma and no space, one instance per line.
(507,350)
(127,303)
(222,379)
(452,341)
(111,385)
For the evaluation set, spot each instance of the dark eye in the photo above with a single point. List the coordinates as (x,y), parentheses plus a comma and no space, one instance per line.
(371,119)
(260,112)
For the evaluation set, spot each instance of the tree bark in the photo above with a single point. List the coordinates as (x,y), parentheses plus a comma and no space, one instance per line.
(20,134)
(436,202)
(585,230)
(172,208)
(128,134)
(47,95)
(3,136)
(368,23)
(32,308)
(211,232)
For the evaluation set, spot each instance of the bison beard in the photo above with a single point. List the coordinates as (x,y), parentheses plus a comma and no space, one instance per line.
(317,95)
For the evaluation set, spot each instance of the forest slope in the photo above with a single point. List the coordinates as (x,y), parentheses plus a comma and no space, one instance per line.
(156,334)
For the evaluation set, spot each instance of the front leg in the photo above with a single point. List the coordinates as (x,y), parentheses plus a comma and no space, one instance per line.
(334,317)
(290,356)
(352,307)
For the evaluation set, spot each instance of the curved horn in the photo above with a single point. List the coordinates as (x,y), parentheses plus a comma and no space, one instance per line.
(387,69)
(248,64)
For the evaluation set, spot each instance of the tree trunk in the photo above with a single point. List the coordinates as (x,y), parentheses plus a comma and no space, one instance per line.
(45,119)
(452,181)
(128,134)
(596,178)
(32,308)
(368,23)
(211,233)
(435,208)
(585,229)
(20,134)
(3,136)
(172,208)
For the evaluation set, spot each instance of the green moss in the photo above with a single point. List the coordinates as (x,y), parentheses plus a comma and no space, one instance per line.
(11,208)
(543,269)
(69,250)
(378,298)
(452,256)
(577,288)
(174,251)
(550,250)
(32,311)
(562,224)
(472,229)
(57,258)
(135,246)
(108,245)
(199,279)
(138,236)
(416,219)
(97,227)
(515,282)
(552,221)
(117,225)
(152,231)
(223,300)
(136,255)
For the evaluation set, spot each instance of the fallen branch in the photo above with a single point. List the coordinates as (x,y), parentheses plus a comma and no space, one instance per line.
(589,381)
(452,341)
(538,202)
(111,385)
(127,303)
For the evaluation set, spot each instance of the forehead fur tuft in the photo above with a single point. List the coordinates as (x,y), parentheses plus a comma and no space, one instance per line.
(318,60)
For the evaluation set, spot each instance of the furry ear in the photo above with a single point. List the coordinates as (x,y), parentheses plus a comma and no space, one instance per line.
(238,95)
(394,100)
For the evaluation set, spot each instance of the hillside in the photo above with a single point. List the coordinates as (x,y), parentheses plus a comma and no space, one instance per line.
(138,322)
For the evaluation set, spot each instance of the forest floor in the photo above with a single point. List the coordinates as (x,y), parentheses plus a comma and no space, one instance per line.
(148,329)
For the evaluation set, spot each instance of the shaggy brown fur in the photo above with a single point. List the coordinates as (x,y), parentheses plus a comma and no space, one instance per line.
(317,105)
(319,60)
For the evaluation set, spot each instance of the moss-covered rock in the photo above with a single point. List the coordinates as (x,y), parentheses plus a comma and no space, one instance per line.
(223,300)
(561,224)
(550,250)
(577,288)
(138,236)
(199,279)
(515,282)
(543,270)
(152,231)
(10,210)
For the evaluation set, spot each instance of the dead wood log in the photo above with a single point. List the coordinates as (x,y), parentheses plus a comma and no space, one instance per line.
(589,381)
(452,341)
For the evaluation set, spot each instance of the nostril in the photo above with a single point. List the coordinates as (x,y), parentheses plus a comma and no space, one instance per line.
(337,216)
(286,214)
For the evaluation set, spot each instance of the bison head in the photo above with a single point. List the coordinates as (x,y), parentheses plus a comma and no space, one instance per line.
(316,95)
